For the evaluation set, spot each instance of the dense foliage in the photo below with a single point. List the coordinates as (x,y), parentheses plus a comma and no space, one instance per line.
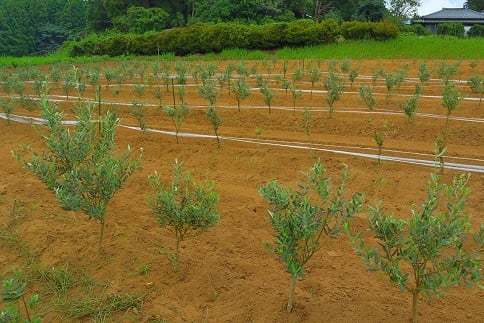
(451,29)
(476,31)
(199,39)
(33,27)
(477,5)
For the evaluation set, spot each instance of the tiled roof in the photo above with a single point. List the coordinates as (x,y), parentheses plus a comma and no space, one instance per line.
(455,13)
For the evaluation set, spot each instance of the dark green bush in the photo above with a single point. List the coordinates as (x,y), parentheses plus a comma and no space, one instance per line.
(383,30)
(329,30)
(356,30)
(418,29)
(216,38)
(476,31)
(119,45)
(369,30)
(200,38)
(266,37)
(450,29)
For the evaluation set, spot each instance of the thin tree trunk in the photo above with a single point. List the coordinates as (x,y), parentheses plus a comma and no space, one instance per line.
(26,309)
(414,306)
(101,235)
(292,290)
(99,108)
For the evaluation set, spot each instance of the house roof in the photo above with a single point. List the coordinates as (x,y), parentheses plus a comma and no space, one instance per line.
(455,13)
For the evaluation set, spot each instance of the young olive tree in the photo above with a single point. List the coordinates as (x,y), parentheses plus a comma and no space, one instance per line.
(177,114)
(379,137)
(333,84)
(447,71)
(423,72)
(80,164)
(425,253)
(353,74)
(296,95)
(12,293)
(184,206)
(208,91)
(138,111)
(476,83)
(315,75)
(307,119)
(440,148)
(7,106)
(451,98)
(410,106)
(366,95)
(241,90)
(267,93)
(300,217)
(214,118)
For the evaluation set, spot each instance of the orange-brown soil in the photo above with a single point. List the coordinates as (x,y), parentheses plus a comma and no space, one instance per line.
(226,274)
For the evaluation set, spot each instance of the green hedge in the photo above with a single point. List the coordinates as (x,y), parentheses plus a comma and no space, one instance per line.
(200,38)
(369,30)
(450,29)
(476,31)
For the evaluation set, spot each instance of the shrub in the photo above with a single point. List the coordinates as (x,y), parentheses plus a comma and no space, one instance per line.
(266,37)
(215,38)
(355,30)
(200,38)
(419,29)
(476,31)
(450,29)
(383,30)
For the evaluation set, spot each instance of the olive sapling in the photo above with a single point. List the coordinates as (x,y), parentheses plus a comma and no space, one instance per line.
(476,83)
(80,164)
(241,90)
(451,98)
(13,292)
(440,148)
(184,206)
(428,252)
(177,114)
(300,217)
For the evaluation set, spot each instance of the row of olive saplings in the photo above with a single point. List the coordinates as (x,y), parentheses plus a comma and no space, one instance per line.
(208,89)
(424,254)
(162,73)
(334,82)
(333,85)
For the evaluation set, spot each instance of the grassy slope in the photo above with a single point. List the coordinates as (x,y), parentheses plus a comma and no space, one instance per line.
(404,47)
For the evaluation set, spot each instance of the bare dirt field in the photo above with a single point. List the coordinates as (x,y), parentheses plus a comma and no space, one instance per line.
(226,274)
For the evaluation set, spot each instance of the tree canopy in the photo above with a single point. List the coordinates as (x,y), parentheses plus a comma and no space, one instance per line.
(32,27)
(477,5)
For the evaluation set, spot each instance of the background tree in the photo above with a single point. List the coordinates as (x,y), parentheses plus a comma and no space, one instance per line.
(140,20)
(244,11)
(26,25)
(371,10)
(97,16)
(345,8)
(477,5)
(403,9)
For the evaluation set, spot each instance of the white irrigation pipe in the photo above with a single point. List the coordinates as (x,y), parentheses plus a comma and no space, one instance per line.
(285,108)
(294,145)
